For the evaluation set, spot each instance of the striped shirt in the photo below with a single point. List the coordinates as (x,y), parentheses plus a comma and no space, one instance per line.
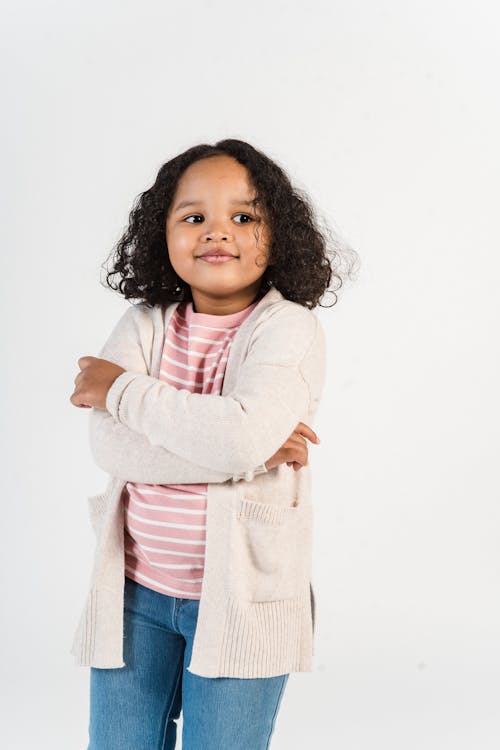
(165,524)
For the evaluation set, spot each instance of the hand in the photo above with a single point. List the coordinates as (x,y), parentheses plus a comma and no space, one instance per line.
(93,382)
(294,450)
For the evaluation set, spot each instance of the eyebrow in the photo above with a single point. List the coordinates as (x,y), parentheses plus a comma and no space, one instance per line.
(183,204)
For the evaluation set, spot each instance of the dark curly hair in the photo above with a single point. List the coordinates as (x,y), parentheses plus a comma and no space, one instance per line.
(301,260)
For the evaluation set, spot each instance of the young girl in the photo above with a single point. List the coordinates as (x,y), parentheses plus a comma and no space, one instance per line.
(201,595)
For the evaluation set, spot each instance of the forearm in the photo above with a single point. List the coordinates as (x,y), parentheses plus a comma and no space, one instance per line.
(226,434)
(126,454)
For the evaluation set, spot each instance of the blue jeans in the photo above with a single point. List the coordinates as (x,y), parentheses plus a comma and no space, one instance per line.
(135,707)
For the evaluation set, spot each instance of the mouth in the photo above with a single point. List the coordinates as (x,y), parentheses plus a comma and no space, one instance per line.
(216,249)
(216,253)
(216,258)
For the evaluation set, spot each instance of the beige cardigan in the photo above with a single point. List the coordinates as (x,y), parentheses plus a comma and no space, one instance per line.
(257,607)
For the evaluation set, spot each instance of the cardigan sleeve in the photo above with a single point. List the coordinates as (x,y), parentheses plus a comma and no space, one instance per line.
(126,454)
(236,432)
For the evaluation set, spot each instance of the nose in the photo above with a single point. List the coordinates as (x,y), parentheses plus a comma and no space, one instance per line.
(216,236)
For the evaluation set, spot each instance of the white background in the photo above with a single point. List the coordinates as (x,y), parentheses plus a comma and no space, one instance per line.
(387,113)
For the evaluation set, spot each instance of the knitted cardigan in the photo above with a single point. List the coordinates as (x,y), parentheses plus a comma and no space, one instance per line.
(256,613)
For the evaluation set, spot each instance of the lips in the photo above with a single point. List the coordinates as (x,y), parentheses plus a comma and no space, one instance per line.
(216,251)
(219,258)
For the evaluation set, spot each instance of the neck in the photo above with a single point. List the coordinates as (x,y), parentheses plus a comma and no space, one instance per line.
(214,305)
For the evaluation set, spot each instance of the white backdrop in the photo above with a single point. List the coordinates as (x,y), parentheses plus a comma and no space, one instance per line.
(387,113)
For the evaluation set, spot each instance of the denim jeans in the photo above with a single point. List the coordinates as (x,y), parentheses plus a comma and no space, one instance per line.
(135,707)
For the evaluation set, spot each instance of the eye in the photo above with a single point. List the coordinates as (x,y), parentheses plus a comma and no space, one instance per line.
(192,216)
(250,218)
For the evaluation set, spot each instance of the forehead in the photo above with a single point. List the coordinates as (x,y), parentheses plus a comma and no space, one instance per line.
(220,172)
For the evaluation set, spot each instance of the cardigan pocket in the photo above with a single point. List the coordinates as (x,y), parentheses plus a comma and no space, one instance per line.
(96,508)
(266,513)
(273,549)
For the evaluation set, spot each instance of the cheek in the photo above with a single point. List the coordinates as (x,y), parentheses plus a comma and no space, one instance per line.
(254,263)
(178,241)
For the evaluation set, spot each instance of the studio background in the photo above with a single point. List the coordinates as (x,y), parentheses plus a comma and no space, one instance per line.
(387,114)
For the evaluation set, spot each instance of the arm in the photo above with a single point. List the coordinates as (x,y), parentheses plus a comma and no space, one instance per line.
(278,383)
(126,454)
(123,453)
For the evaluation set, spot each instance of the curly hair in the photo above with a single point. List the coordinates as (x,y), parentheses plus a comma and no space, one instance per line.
(301,263)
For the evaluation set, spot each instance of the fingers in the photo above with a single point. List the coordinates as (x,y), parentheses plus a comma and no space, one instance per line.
(297,446)
(85,362)
(308,432)
(296,450)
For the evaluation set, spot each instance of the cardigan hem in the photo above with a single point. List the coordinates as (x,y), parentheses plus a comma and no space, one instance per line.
(261,639)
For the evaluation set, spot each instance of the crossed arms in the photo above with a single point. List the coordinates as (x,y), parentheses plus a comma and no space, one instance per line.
(155,433)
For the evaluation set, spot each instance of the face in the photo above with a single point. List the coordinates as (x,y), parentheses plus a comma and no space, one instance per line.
(212,211)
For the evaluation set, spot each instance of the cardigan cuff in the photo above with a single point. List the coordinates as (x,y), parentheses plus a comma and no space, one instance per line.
(249,475)
(114,394)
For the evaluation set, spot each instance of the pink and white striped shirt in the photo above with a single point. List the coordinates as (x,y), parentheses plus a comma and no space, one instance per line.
(165,523)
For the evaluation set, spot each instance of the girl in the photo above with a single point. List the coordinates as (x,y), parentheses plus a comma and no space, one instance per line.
(201,595)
